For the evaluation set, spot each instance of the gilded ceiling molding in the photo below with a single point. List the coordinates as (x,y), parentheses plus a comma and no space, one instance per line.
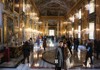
(52,7)
(76,6)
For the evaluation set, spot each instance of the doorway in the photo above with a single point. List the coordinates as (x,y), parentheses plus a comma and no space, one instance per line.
(51,32)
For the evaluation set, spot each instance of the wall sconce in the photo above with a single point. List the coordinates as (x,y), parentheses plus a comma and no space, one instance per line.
(87,6)
(66,22)
(36,18)
(72,19)
(72,29)
(98,29)
(70,32)
(97,5)
(39,22)
(76,31)
(20,29)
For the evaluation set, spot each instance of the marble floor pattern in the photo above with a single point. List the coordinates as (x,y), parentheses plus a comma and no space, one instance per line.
(75,62)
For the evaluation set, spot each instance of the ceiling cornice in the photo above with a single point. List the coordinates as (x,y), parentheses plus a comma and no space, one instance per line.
(52,17)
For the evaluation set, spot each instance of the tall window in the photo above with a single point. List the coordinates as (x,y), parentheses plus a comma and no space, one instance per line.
(23,6)
(91,30)
(51,32)
(80,14)
(91,6)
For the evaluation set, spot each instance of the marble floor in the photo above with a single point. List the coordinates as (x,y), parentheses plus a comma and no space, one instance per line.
(75,62)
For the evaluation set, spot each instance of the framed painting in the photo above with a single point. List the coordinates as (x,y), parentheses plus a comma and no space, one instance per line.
(9,5)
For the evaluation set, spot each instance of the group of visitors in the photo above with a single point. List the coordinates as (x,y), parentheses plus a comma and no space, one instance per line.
(65,46)
(28,46)
(64,49)
(61,55)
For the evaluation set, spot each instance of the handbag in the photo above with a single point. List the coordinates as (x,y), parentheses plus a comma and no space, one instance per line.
(56,61)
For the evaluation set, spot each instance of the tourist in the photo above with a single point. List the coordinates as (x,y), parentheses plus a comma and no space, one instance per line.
(26,51)
(76,44)
(44,44)
(31,44)
(89,52)
(66,53)
(59,55)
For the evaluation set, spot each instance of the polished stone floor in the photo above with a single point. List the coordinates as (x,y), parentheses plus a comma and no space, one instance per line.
(74,62)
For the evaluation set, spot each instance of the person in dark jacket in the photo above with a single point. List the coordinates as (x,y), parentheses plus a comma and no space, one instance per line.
(60,56)
(31,44)
(26,51)
(44,44)
(89,52)
(69,45)
(76,44)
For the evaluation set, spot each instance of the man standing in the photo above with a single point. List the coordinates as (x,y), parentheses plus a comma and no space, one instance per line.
(31,44)
(59,55)
(26,51)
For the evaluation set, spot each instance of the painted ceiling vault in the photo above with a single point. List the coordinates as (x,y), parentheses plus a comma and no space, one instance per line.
(54,7)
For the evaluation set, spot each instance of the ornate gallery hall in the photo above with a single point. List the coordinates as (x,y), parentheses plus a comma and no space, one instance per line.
(49,34)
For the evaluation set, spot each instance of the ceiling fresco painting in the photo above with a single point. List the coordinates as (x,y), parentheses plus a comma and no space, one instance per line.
(54,7)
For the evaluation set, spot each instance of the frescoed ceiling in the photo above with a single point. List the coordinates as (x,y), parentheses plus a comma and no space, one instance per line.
(54,7)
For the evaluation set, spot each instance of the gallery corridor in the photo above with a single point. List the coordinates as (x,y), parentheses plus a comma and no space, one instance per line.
(49,34)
